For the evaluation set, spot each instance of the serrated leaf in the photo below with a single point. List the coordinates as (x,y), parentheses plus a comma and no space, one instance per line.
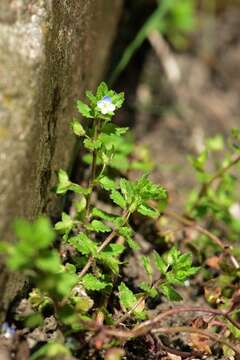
(80,204)
(91,98)
(91,144)
(127,233)
(127,190)
(107,258)
(64,185)
(84,109)
(83,244)
(118,99)
(162,267)
(117,249)
(90,282)
(66,225)
(98,226)
(107,183)
(147,265)
(63,182)
(121,130)
(102,90)
(103,215)
(146,210)
(126,297)
(150,291)
(50,262)
(118,199)
(170,293)
(78,189)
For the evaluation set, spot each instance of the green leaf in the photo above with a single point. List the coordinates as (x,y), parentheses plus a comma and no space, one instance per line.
(107,183)
(77,128)
(79,189)
(83,244)
(127,233)
(98,226)
(65,283)
(117,249)
(172,255)
(162,267)
(90,282)
(147,265)
(103,215)
(118,100)
(80,204)
(33,320)
(84,109)
(146,210)
(66,225)
(108,259)
(126,297)
(91,98)
(170,293)
(49,263)
(118,199)
(150,291)
(127,190)
(102,90)
(50,350)
(91,144)
(64,185)
(121,130)
(63,182)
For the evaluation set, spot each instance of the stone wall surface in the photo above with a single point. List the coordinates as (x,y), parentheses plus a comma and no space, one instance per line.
(50,52)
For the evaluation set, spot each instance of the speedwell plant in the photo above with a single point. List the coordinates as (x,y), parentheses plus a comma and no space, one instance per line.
(79,273)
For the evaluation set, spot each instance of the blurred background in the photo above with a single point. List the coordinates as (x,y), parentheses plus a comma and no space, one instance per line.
(178,62)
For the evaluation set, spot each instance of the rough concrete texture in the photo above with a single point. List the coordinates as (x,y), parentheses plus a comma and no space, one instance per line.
(50,52)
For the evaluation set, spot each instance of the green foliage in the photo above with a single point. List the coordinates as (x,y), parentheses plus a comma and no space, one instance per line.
(90,282)
(175,268)
(78,275)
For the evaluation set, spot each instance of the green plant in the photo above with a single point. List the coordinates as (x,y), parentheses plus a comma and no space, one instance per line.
(82,283)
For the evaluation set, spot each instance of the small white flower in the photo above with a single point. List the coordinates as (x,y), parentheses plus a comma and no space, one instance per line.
(7,331)
(105,105)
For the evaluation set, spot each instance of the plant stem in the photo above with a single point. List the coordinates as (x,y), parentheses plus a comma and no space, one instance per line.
(192,330)
(216,176)
(105,243)
(214,238)
(102,246)
(149,325)
(93,168)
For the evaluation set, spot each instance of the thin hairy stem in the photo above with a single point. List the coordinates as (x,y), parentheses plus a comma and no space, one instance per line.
(93,169)
(104,244)
(192,330)
(202,230)
(219,173)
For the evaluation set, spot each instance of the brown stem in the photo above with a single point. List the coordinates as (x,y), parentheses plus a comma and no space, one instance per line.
(93,169)
(102,246)
(200,229)
(149,325)
(186,329)
(128,314)
(183,309)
